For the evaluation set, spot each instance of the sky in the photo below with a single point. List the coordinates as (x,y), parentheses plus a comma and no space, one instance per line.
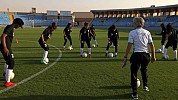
(78,5)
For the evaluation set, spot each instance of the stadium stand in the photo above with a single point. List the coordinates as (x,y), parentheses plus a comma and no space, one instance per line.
(4,19)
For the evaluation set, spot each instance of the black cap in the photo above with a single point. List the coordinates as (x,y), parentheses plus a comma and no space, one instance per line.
(18,21)
(69,24)
(54,25)
(85,24)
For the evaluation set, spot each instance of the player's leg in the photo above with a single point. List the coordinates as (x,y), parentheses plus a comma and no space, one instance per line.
(175,50)
(135,65)
(94,38)
(70,39)
(116,47)
(107,48)
(9,71)
(5,68)
(65,41)
(145,61)
(162,43)
(81,48)
(165,49)
(45,54)
(89,48)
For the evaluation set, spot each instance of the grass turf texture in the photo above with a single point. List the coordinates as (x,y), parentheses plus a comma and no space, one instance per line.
(77,78)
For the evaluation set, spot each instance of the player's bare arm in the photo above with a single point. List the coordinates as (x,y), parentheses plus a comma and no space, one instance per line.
(43,38)
(153,57)
(129,46)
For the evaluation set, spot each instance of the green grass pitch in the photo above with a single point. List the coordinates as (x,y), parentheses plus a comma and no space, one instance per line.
(72,77)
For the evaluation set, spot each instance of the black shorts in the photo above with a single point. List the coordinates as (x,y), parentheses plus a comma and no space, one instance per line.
(163,40)
(173,44)
(87,42)
(43,45)
(115,42)
(8,58)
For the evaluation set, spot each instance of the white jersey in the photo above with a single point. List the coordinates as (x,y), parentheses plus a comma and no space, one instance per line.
(140,38)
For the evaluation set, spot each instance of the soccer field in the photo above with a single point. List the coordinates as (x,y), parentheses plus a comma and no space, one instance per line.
(67,76)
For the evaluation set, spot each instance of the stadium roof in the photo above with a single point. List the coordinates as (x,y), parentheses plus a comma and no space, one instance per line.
(132,9)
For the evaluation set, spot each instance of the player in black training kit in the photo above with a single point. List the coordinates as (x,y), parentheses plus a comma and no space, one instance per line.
(172,41)
(43,41)
(84,37)
(163,33)
(93,35)
(113,36)
(5,47)
(66,32)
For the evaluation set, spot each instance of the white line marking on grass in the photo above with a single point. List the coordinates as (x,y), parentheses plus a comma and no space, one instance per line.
(40,72)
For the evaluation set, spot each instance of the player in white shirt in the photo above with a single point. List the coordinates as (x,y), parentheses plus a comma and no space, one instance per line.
(140,58)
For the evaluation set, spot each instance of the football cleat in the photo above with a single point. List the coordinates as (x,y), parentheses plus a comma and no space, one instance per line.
(8,84)
(175,59)
(44,62)
(106,54)
(146,89)
(134,96)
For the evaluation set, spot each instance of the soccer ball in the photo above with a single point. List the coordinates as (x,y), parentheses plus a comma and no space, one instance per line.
(12,75)
(46,60)
(138,82)
(93,45)
(84,55)
(110,55)
(158,50)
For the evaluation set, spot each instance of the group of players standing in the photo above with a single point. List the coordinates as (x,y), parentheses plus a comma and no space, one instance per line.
(86,34)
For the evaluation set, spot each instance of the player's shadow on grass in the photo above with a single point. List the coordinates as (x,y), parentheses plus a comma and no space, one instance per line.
(92,60)
(49,97)
(30,47)
(166,60)
(115,87)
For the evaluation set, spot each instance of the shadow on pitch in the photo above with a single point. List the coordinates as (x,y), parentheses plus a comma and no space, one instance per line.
(115,87)
(91,60)
(48,97)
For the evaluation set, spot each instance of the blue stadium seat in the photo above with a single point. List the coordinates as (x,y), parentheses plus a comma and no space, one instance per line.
(4,19)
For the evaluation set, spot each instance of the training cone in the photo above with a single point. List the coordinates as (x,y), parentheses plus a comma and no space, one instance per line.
(17,41)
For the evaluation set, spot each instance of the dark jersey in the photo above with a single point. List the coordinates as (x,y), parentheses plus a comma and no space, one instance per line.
(92,29)
(46,33)
(173,36)
(113,35)
(67,31)
(163,32)
(9,30)
(85,33)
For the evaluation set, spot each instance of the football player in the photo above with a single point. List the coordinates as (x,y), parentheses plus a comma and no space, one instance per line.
(172,41)
(84,37)
(66,32)
(6,42)
(163,33)
(93,35)
(43,40)
(113,36)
